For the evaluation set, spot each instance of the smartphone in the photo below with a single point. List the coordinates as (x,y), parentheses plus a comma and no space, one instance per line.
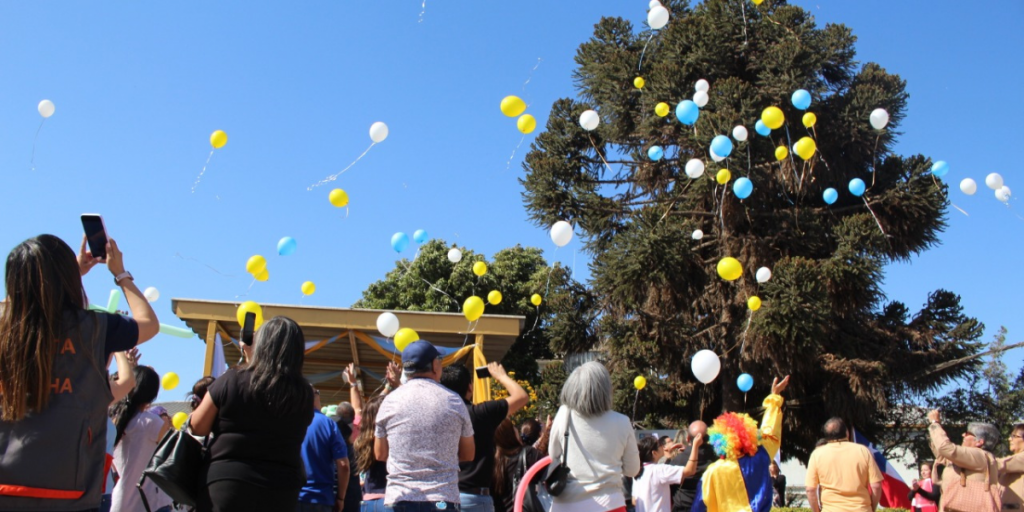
(483,373)
(95,234)
(248,327)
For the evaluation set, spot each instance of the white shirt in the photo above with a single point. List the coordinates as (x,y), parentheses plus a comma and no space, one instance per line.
(651,490)
(601,451)
(131,456)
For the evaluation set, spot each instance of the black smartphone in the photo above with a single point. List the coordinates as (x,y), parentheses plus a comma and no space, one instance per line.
(95,234)
(248,327)
(483,373)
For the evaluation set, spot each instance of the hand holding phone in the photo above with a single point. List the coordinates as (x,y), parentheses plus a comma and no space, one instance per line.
(248,328)
(482,372)
(95,234)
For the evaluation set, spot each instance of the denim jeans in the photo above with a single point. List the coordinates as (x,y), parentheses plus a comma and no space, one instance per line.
(313,507)
(422,506)
(372,505)
(476,503)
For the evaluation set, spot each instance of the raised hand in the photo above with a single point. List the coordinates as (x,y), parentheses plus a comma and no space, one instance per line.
(86,261)
(779,387)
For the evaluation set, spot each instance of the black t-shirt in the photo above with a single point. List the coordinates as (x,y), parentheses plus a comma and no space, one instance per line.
(250,442)
(506,502)
(479,473)
(122,334)
(682,500)
(376,478)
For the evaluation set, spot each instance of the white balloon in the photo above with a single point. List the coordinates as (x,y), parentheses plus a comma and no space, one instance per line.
(740,133)
(378,132)
(454,255)
(705,365)
(657,18)
(715,157)
(763,275)
(879,118)
(702,85)
(694,168)
(698,234)
(387,324)
(994,181)
(968,186)
(653,4)
(561,233)
(1003,194)
(589,120)
(46,108)
(701,98)
(151,294)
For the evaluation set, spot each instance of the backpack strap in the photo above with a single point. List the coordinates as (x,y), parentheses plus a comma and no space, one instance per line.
(145,502)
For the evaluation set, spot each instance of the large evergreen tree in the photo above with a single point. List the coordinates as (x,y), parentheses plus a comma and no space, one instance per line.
(825,318)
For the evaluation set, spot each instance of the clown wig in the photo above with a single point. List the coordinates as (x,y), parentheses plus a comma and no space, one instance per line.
(734,435)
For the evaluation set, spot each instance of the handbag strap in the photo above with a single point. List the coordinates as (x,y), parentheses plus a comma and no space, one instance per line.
(145,502)
(568,427)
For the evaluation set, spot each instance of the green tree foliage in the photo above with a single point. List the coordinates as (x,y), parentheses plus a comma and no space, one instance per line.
(825,318)
(433,283)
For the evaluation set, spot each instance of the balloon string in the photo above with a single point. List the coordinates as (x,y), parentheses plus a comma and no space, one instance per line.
(789,149)
(874,158)
(874,216)
(743,346)
(422,11)
(743,10)
(201,173)
(640,65)
(508,164)
(32,162)
(247,290)
(636,398)
(335,176)
(592,143)
(432,287)
(178,254)
(530,76)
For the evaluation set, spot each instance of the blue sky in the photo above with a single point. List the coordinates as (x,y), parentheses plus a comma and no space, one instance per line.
(139,87)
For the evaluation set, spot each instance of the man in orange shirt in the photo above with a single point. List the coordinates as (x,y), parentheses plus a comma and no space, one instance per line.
(849,479)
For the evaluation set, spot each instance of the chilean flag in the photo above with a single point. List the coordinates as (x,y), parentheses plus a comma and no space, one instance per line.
(894,489)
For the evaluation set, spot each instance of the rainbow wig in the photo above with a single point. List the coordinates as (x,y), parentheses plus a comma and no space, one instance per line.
(734,435)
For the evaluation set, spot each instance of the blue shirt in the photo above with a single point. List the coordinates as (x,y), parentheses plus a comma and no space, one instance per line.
(323,445)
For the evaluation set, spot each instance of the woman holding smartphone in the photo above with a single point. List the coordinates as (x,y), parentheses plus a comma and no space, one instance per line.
(54,390)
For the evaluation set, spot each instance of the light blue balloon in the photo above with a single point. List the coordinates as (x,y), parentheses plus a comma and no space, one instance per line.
(762,129)
(857,187)
(286,246)
(399,241)
(687,112)
(940,168)
(420,236)
(830,196)
(745,382)
(801,99)
(721,145)
(655,153)
(742,187)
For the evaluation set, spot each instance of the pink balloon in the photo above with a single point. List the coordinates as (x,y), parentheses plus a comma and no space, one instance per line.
(530,473)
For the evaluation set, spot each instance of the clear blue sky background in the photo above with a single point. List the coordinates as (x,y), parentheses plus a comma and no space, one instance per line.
(139,87)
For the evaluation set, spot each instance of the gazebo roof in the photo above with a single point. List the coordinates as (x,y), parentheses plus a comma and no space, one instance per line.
(338,336)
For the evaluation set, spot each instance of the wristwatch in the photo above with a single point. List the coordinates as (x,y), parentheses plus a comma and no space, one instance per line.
(123,275)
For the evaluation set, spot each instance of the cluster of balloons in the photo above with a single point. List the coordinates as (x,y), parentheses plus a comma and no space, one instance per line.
(257,266)
(388,325)
(514,106)
(657,16)
(400,240)
(993,181)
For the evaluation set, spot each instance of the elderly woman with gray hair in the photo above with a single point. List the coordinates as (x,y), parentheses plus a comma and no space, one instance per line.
(970,481)
(601,446)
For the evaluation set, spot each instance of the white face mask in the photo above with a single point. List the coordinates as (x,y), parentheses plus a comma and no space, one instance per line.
(404,378)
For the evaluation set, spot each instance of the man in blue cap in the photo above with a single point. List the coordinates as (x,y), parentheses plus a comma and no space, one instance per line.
(423,431)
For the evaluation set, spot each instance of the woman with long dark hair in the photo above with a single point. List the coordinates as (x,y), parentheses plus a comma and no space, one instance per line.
(138,433)
(258,415)
(375,471)
(511,461)
(54,390)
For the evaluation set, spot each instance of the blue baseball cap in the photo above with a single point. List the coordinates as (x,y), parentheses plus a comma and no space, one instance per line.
(419,356)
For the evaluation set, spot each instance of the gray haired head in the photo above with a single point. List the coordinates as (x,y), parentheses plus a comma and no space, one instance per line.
(588,390)
(986,432)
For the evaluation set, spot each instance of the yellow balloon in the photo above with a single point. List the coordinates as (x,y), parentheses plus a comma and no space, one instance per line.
(512,106)
(773,117)
(479,268)
(526,123)
(308,288)
(249,307)
(639,382)
(169,381)
(729,268)
(338,198)
(639,82)
(494,297)
(723,176)
(758,2)
(262,275)
(781,153)
(178,420)
(218,139)
(661,109)
(810,119)
(805,147)
(536,299)
(754,303)
(256,264)
(404,337)
(473,308)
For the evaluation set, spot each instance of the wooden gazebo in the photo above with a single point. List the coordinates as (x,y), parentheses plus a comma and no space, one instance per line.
(336,337)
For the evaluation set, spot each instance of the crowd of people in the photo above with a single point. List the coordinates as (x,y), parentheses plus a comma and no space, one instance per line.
(421,444)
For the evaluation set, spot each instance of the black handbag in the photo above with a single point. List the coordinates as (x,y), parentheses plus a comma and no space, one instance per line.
(175,468)
(531,502)
(558,477)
